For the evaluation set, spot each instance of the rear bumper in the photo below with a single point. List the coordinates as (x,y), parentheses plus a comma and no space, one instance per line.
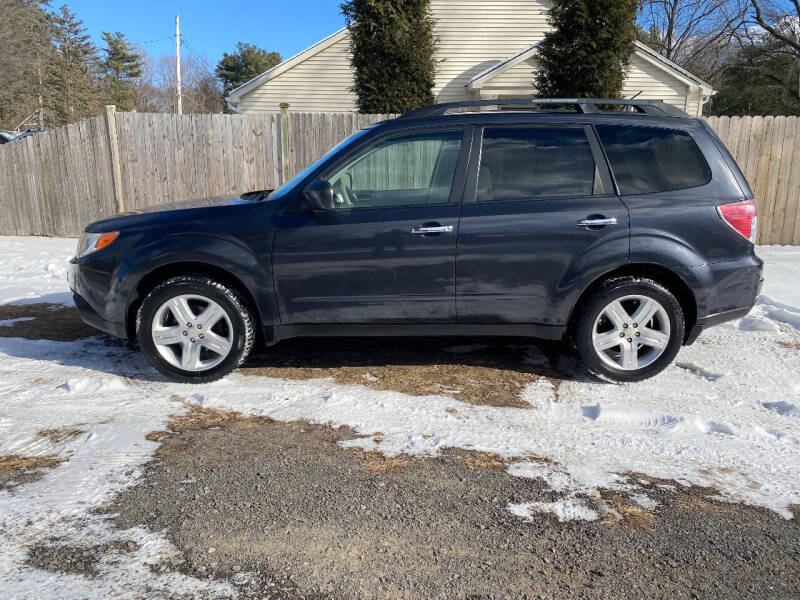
(736,287)
(711,320)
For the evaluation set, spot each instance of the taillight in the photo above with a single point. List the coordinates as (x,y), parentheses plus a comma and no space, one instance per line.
(742,216)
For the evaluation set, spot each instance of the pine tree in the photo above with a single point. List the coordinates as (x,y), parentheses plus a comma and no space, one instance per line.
(70,78)
(247,62)
(121,64)
(589,51)
(25,52)
(393,54)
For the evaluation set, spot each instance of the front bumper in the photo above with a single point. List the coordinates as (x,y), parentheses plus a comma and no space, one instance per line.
(91,292)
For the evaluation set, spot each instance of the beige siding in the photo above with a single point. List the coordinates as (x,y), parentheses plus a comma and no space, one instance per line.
(473,35)
(654,84)
(476,34)
(650,82)
(319,84)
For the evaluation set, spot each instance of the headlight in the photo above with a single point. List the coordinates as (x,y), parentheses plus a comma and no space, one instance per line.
(91,242)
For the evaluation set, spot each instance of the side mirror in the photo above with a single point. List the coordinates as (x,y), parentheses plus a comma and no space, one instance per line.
(319,195)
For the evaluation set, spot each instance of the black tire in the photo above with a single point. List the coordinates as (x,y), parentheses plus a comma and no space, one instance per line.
(616,289)
(241,330)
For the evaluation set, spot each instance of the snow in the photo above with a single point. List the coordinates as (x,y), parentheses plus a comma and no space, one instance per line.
(568,509)
(11,322)
(725,416)
(35,270)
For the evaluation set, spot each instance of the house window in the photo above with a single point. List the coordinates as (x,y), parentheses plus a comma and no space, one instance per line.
(649,159)
(535,162)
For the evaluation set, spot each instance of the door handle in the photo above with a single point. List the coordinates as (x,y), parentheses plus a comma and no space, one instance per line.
(432,230)
(597,222)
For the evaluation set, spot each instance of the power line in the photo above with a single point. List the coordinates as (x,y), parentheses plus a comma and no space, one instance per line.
(197,56)
(166,37)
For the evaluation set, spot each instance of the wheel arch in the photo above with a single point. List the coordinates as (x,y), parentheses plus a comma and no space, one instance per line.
(162,273)
(659,273)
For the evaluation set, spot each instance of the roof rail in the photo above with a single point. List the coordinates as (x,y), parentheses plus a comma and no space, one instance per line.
(656,108)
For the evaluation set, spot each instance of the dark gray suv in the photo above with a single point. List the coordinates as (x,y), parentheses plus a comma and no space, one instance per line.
(625,227)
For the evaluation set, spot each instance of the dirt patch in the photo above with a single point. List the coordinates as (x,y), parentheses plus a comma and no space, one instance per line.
(793,345)
(80,560)
(17,470)
(59,436)
(195,418)
(490,374)
(376,462)
(44,322)
(479,460)
(284,511)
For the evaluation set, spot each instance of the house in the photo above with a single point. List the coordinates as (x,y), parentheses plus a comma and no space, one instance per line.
(487,49)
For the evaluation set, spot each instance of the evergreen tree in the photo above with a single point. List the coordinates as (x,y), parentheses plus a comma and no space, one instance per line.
(393,54)
(589,51)
(120,66)
(71,93)
(25,52)
(247,62)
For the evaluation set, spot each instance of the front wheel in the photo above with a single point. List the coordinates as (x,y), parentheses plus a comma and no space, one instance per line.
(630,330)
(194,329)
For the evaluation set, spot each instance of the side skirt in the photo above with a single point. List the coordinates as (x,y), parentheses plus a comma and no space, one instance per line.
(544,332)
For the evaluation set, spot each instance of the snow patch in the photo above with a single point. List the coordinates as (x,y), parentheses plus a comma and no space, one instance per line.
(12,322)
(93,385)
(567,509)
(34,269)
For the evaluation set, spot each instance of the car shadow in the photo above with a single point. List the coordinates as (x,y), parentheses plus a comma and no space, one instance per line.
(480,370)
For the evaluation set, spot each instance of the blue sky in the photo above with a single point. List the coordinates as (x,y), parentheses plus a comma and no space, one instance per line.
(213,27)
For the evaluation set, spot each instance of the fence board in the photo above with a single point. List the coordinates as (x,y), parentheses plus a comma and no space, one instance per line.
(55,182)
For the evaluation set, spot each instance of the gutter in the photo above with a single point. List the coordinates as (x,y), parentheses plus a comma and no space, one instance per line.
(232,106)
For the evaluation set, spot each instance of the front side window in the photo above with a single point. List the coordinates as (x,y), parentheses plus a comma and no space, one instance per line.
(407,170)
(526,163)
(649,159)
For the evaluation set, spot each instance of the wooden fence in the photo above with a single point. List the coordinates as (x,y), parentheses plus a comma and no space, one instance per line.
(56,182)
(767,150)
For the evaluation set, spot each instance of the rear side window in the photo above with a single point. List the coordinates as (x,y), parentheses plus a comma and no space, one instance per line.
(529,162)
(648,159)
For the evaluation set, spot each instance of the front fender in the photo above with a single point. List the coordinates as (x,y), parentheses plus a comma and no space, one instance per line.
(231,256)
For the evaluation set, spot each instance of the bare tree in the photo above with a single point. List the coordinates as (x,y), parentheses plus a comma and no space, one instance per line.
(693,33)
(155,90)
(779,18)
(773,27)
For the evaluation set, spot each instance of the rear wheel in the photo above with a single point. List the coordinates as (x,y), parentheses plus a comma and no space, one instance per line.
(194,329)
(630,330)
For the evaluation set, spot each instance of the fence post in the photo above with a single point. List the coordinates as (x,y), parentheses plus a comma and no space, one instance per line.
(285,142)
(113,145)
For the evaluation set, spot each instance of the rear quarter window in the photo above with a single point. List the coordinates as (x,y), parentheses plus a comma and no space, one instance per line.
(646,160)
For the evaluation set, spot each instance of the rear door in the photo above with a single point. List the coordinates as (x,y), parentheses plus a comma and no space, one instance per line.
(539,214)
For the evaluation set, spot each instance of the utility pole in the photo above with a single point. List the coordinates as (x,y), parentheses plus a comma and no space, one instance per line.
(178,64)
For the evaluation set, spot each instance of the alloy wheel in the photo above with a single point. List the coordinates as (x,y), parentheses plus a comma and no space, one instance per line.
(631,332)
(192,332)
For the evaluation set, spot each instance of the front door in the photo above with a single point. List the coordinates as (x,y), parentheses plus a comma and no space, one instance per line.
(386,252)
(538,214)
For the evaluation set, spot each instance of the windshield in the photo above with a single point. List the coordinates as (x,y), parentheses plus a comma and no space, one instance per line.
(313,166)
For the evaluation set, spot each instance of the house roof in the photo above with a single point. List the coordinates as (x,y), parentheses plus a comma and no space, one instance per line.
(642,50)
(287,64)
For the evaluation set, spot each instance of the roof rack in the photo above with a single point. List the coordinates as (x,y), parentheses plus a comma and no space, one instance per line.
(657,108)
